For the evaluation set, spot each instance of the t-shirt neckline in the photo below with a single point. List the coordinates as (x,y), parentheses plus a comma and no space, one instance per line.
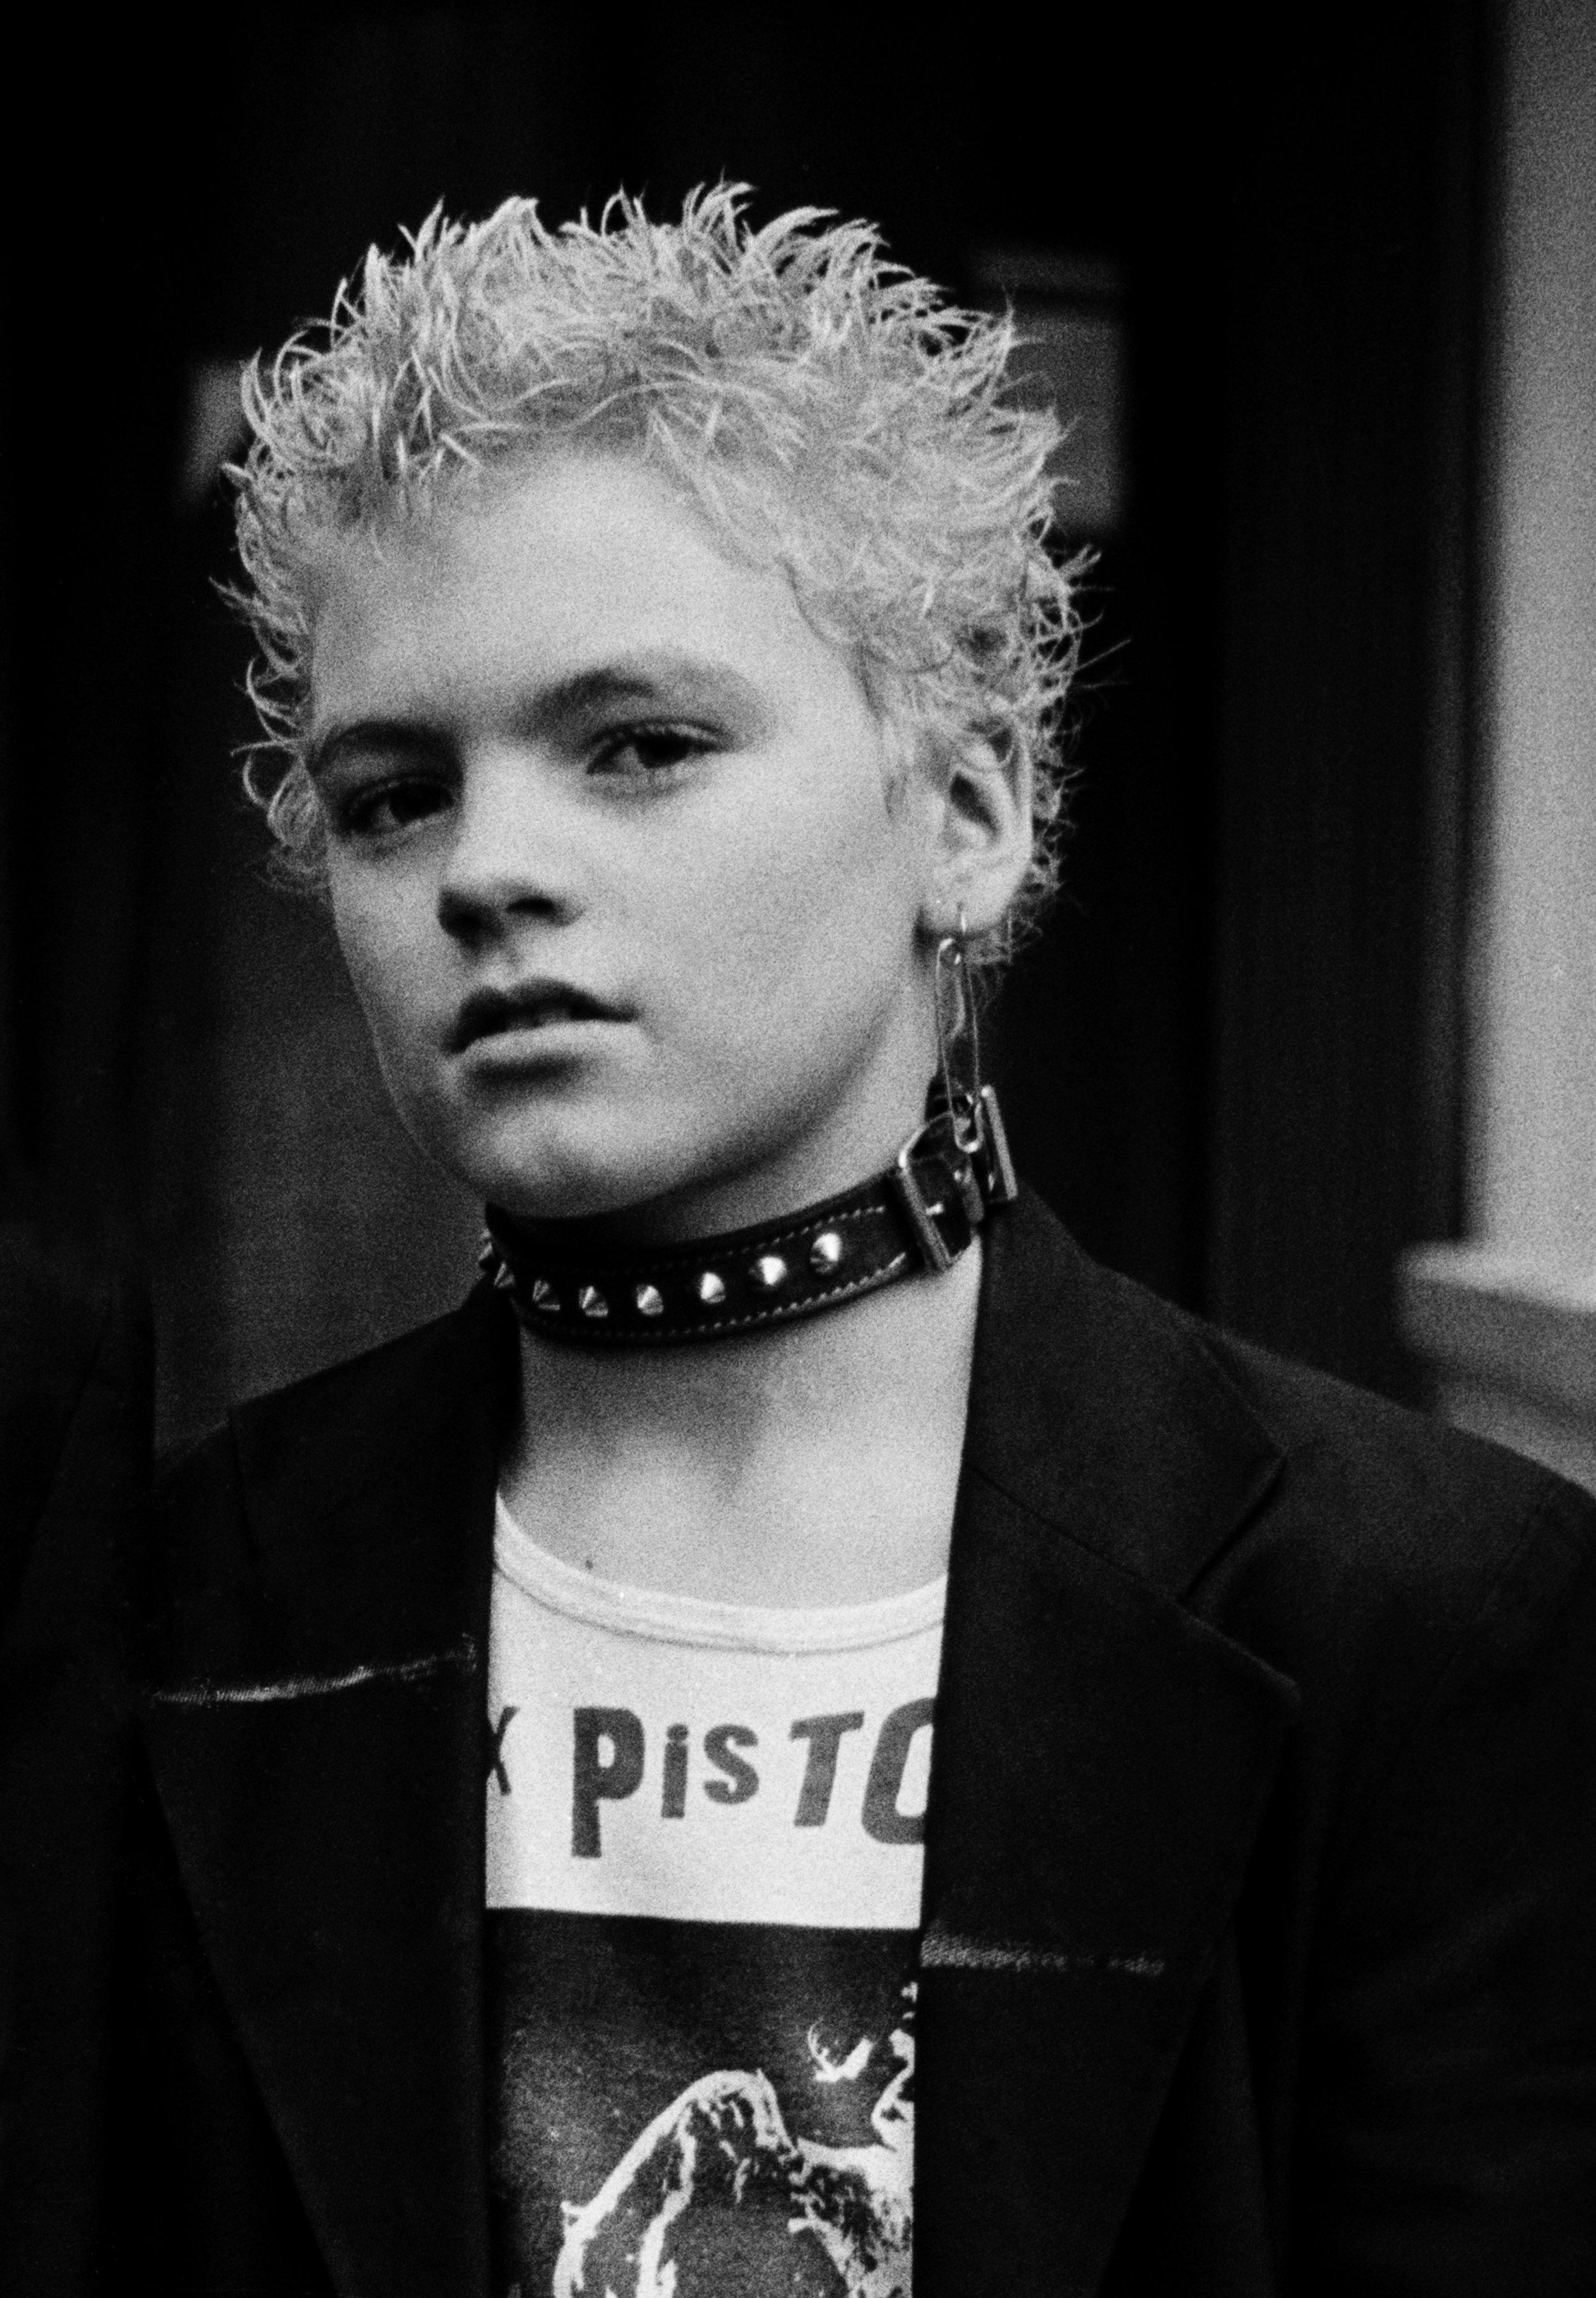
(700,1620)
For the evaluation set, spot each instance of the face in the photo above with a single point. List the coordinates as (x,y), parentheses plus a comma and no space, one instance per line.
(634,904)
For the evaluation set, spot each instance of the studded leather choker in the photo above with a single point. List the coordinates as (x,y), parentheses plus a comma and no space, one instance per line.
(920,1213)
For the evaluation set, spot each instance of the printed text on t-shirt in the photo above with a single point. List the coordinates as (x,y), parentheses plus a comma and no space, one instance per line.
(611,1762)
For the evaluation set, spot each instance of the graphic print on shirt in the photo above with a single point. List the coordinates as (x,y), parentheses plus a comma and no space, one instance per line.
(673,2121)
(704,1859)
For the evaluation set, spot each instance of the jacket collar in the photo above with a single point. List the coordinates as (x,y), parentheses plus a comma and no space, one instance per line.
(1102,1764)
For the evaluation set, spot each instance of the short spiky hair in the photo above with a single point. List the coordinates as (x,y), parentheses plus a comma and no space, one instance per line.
(828,411)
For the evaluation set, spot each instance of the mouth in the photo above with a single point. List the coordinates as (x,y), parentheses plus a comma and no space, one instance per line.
(528,1005)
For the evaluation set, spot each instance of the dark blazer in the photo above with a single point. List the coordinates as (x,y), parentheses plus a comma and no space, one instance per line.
(74,1477)
(1261,1865)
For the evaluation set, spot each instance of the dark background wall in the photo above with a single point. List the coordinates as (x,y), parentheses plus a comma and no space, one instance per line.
(1231,1060)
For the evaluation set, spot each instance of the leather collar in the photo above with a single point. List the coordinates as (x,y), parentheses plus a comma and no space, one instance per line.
(920,1214)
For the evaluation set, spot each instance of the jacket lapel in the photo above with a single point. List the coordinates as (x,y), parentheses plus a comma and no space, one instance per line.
(1102,1764)
(322,1774)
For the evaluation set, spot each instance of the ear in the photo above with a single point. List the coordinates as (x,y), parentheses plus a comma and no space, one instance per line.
(981,839)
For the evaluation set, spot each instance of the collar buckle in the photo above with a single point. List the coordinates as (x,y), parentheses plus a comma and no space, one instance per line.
(946,1190)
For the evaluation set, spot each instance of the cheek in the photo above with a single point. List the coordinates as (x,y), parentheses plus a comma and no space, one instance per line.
(382,960)
(753,923)
(819,873)
(785,967)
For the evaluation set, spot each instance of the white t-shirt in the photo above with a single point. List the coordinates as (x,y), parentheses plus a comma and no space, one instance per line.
(703,1839)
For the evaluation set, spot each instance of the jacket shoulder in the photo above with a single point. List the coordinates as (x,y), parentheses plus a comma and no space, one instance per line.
(1433,1595)
(1393,1490)
(339,1405)
(331,1510)
(1358,1547)
(1363,1472)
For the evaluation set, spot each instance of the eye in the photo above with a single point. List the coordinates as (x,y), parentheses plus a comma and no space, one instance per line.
(387,810)
(650,753)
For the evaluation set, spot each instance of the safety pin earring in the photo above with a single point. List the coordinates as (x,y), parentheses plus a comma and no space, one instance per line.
(971,1104)
(958,1034)
(979,1166)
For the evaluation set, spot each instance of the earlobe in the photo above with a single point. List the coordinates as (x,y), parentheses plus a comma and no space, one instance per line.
(983,841)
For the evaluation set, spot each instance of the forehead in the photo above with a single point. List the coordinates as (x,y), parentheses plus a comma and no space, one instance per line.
(546,575)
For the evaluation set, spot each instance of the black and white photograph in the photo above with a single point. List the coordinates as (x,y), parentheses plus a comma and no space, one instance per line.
(797,1153)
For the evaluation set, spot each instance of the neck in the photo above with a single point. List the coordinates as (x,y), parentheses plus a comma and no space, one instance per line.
(812,1463)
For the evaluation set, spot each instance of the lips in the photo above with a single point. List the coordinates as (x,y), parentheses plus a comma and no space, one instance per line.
(525,1005)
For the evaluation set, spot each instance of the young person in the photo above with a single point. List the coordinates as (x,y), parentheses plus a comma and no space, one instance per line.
(551,1878)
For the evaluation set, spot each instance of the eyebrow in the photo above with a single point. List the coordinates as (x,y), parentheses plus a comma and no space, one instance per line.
(666,676)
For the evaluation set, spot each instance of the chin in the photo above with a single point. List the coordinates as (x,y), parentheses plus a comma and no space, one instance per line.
(565,1198)
(575,1175)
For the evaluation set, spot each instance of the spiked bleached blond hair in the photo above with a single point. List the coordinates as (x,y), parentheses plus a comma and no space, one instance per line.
(830,413)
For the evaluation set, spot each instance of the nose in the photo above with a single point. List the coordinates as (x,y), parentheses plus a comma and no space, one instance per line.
(513,857)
